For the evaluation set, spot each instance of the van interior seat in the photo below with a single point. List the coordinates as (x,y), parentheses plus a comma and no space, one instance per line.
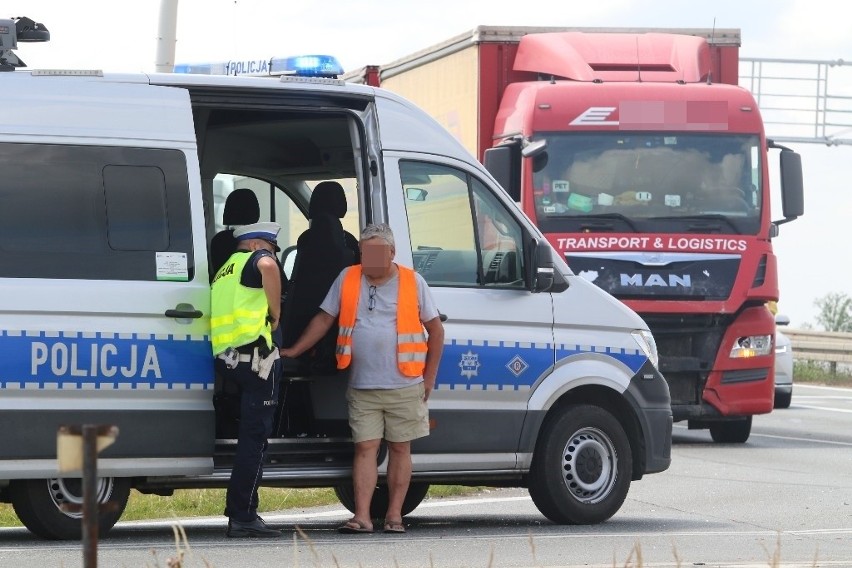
(241,208)
(321,253)
(329,199)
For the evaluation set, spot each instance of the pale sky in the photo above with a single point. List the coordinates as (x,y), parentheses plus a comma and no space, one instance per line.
(813,254)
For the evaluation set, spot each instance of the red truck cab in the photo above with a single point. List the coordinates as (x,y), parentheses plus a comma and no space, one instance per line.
(645,165)
(652,180)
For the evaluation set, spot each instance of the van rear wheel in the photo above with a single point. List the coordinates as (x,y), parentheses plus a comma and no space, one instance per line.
(379,505)
(37,503)
(581,469)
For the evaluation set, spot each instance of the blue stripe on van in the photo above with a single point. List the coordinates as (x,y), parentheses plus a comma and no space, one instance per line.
(502,365)
(69,360)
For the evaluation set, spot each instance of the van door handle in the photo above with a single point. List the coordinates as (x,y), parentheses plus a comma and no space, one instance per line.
(184,311)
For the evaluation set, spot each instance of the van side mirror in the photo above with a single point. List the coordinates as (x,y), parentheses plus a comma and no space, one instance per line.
(543,277)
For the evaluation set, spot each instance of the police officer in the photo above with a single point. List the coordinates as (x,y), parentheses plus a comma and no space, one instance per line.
(246,306)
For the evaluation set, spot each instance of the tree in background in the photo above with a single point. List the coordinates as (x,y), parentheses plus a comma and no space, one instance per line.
(835,311)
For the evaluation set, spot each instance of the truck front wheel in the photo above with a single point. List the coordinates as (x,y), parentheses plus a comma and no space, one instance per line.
(581,468)
(37,503)
(731,432)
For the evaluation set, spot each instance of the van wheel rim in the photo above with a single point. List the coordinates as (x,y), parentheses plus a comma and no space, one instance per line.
(589,465)
(70,491)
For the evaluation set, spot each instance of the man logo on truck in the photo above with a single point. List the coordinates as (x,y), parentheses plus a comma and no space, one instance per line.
(595,116)
(674,280)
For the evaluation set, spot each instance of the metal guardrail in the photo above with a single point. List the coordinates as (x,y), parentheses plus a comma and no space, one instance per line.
(802,100)
(824,346)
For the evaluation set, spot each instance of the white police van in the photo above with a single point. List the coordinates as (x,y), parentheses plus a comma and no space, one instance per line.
(112,187)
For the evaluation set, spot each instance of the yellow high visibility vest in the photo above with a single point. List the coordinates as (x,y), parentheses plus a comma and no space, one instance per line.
(411,339)
(238,313)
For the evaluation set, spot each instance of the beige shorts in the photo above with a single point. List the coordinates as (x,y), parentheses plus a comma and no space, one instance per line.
(397,415)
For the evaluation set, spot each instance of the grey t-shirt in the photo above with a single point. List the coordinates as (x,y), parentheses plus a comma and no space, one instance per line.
(374,360)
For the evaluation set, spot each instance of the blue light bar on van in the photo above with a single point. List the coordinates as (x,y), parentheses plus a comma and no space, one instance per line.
(308,66)
(300,66)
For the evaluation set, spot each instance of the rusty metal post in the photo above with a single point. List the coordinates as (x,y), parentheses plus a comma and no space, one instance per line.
(82,455)
(90,496)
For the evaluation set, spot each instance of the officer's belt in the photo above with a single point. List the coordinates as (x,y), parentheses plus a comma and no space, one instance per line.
(242,357)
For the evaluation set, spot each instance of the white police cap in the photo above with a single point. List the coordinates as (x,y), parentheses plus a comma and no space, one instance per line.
(267,231)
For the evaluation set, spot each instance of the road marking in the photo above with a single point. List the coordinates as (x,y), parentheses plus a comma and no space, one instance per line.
(826,408)
(793,438)
(812,440)
(847,390)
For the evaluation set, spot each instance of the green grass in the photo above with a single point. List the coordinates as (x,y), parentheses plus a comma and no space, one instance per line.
(817,373)
(211,502)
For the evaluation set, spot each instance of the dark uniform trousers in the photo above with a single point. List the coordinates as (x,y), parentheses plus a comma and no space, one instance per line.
(258,404)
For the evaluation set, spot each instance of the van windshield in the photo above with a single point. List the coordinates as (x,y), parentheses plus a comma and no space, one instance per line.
(648,182)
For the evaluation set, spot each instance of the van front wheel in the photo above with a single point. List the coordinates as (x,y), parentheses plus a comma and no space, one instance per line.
(581,468)
(37,503)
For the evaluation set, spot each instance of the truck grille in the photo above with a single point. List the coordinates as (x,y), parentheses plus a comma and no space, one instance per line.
(687,345)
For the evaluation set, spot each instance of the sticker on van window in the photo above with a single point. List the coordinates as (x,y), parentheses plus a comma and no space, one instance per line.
(172,266)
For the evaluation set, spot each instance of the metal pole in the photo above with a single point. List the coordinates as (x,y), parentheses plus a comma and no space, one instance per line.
(166,37)
(90,496)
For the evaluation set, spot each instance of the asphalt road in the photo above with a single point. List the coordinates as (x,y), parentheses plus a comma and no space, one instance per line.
(782,499)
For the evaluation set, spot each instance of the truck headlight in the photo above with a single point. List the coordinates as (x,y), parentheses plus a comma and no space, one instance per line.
(647,345)
(751,346)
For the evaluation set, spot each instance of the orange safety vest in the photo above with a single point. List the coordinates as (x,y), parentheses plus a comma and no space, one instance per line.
(410,337)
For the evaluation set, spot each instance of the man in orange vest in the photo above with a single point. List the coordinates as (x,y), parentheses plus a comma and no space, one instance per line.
(382,309)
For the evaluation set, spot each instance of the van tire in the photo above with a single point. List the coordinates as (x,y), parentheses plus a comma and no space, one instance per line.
(36,502)
(379,505)
(731,431)
(591,439)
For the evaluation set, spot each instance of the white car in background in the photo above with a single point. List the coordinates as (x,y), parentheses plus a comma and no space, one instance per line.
(783,365)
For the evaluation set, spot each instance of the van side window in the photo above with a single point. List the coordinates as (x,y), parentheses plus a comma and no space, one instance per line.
(460,232)
(93,212)
(136,206)
(288,207)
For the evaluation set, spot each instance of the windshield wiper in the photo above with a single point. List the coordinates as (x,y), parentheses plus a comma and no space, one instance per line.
(708,226)
(604,217)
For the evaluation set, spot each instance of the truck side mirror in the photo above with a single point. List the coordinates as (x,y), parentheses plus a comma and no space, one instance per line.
(792,186)
(504,163)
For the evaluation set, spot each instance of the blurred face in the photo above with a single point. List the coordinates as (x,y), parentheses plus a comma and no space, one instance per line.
(376,257)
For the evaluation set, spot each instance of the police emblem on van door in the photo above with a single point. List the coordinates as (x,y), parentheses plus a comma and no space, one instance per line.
(517,365)
(469,364)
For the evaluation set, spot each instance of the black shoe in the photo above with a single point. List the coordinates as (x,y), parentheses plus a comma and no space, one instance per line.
(251,529)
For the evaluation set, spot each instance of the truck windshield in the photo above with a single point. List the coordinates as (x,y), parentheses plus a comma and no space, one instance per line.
(648,182)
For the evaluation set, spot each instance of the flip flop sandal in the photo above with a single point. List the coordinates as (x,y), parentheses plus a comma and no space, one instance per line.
(354,526)
(394,527)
